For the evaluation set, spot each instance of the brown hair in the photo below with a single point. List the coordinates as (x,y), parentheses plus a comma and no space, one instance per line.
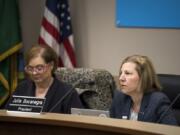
(46,52)
(148,78)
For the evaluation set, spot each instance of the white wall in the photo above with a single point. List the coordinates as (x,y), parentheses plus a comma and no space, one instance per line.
(99,43)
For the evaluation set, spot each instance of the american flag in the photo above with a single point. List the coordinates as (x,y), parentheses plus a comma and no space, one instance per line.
(56,31)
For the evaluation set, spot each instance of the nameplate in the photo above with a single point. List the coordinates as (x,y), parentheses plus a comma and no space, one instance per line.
(26,104)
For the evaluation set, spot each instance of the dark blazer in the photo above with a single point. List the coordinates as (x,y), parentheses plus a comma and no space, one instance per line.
(56,91)
(153,108)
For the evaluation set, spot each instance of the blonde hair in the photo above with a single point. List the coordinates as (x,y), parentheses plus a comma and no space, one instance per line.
(148,78)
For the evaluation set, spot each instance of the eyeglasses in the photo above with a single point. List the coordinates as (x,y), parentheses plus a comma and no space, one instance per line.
(41,68)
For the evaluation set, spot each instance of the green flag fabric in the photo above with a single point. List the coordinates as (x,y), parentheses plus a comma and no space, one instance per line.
(10,44)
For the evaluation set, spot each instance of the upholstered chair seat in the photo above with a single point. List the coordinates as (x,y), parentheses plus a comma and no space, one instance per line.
(95,86)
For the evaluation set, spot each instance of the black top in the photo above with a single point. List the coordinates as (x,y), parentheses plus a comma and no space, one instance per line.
(55,93)
(154,108)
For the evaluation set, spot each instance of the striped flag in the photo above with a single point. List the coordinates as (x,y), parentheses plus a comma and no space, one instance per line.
(56,31)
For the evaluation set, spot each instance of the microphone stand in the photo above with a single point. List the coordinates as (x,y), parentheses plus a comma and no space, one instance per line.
(70,92)
(172,103)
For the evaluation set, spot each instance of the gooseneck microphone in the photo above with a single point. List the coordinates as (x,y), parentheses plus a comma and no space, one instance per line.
(67,94)
(165,112)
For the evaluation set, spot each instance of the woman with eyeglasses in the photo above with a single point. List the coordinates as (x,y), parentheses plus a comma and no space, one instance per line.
(41,62)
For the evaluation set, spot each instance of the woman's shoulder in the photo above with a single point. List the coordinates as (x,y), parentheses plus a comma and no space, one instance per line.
(23,87)
(158,96)
(61,83)
(119,99)
(63,86)
(25,83)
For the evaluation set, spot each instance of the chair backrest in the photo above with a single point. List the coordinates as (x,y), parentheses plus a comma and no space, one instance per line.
(97,95)
(171,87)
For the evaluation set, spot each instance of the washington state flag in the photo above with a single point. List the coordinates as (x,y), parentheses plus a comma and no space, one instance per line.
(10,45)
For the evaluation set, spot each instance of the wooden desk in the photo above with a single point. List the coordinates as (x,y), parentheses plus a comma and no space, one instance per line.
(13,123)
